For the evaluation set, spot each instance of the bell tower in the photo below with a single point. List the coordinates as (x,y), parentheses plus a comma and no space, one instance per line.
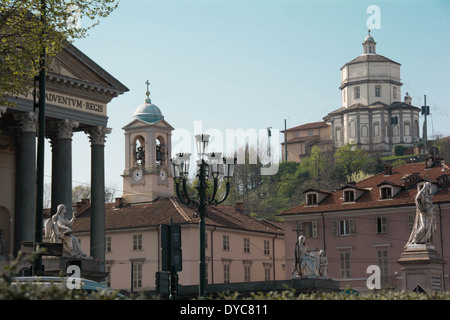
(147,174)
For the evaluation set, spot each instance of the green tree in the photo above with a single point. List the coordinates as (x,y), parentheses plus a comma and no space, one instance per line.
(352,159)
(24,35)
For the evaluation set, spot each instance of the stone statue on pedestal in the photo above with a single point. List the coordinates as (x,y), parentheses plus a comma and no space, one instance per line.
(425,220)
(312,264)
(59,229)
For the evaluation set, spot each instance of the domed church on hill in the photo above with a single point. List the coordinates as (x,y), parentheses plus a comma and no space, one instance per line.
(372,115)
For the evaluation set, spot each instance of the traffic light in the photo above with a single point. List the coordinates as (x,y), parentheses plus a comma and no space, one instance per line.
(394,120)
(425,110)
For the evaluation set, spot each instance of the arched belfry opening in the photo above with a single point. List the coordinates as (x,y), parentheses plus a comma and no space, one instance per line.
(139,151)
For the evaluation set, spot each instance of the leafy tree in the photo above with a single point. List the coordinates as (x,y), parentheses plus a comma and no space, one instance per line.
(25,31)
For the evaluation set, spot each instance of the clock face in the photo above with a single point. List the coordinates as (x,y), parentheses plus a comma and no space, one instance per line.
(137,174)
(163,175)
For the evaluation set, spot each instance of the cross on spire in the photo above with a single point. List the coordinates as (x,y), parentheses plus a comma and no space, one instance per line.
(148,92)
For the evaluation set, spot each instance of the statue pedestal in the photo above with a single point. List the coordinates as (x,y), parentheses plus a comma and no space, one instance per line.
(57,266)
(422,266)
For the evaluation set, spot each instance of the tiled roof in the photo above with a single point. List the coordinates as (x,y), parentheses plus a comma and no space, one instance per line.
(371,58)
(162,210)
(301,139)
(307,126)
(371,198)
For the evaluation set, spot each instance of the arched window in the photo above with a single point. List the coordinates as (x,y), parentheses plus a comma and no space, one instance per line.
(338,134)
(364,131)
(352,129)
(376,128)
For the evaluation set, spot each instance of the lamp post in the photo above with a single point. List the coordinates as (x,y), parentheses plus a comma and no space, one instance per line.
(209,164)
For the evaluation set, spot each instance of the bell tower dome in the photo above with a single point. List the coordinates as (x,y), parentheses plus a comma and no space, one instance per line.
(147,150)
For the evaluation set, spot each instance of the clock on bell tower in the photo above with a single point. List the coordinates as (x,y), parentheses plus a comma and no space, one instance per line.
(147,174)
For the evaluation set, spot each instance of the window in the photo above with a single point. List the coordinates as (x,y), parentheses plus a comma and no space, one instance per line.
(386,193)
(364,131)
(383,263)
(108,277)
(376,129)
(267,273)
(311,199)
(226,273)
(396,130)
(297,134)
(343,227)
(266,247)
(137,275)
(381,225)
(310,132)
(407,128)
(247,273)
(308,229)
(338,134)
(395,92)
(349,196)
(137,242)
(357,92)
(226,242)
(344,262)
(108,244)
(352,128)
(377,91)
(247,245)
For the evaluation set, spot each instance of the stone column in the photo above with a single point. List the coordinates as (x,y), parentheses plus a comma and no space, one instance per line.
(25,198)
(97,138)
(62,162)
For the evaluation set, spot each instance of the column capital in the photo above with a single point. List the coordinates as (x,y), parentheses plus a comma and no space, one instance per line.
(28,120)
(97,135)
(64,128)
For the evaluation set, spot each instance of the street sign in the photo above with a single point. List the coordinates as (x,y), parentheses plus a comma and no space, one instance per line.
(168,234)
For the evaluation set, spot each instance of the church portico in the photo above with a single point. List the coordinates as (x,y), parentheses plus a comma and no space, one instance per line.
(77,94)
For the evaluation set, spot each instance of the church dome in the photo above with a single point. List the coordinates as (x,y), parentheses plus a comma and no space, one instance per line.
(369,38)
(147,111)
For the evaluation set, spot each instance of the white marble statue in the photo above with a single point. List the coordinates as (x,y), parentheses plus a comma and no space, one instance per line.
(59,229)
(313,264)
(425,220)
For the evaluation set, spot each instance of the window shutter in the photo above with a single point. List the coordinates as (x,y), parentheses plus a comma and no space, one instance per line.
(335,228)
(351,224)
(314,229)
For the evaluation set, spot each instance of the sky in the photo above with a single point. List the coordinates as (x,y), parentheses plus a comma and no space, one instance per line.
(252,64)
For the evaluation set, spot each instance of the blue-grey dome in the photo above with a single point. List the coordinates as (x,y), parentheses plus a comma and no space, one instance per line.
(148,112)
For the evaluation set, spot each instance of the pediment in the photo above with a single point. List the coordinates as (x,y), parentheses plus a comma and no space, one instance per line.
(73,64)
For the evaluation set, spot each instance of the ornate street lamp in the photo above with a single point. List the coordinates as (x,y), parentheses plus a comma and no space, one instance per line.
(209,164)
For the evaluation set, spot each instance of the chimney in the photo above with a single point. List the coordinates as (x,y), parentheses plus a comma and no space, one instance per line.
(239,206)
(119,202)
(388,170)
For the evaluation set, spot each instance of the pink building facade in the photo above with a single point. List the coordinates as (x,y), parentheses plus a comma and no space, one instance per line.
(239,248)
(369,223)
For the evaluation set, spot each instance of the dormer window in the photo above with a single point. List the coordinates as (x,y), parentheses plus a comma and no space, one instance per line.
(349,196)
(311,199)
(386,193)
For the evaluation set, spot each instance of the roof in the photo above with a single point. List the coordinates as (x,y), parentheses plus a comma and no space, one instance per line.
(370,58)
(160,211)
(301,139)
(371,197)
(373,106)
(308,126)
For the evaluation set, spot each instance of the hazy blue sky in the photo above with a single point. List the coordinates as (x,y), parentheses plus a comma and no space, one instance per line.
(250,64)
